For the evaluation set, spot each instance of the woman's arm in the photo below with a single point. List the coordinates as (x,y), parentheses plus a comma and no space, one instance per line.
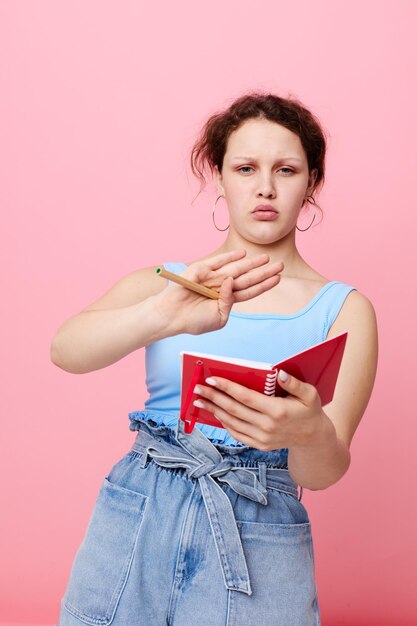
(124,319)
(142,308)
(318,439)
(325,461)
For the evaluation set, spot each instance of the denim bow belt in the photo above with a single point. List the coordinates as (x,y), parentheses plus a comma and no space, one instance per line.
(203,462)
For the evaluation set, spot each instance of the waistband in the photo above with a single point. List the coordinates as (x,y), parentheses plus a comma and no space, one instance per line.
(203,462)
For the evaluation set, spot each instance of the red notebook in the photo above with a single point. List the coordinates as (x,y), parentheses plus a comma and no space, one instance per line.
(318,365)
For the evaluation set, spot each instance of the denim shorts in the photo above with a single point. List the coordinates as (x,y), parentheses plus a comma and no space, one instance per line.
(188,533)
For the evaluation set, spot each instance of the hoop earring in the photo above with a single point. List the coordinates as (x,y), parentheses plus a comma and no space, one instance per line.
(214,221)
(312,201)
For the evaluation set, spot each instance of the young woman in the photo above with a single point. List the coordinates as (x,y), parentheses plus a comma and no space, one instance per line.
(208,528)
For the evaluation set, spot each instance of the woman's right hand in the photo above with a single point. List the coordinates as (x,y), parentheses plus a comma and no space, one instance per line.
(139,310)
(235,277)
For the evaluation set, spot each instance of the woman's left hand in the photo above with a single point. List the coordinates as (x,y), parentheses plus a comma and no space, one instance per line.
(266,422)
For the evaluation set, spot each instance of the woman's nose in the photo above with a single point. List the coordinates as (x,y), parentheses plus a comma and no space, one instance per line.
(266,188)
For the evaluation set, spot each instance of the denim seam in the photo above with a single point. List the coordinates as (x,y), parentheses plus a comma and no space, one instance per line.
(176,578)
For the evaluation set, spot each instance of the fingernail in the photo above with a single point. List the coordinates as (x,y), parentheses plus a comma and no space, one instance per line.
(211,381)
(283,376)
(197,389)
(199,404)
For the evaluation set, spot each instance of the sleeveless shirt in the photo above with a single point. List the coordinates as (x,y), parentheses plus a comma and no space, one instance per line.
(256,336)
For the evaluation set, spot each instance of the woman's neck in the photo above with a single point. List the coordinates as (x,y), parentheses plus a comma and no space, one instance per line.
(283,250)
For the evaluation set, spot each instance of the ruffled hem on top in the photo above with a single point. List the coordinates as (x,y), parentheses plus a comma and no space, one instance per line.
(216,435)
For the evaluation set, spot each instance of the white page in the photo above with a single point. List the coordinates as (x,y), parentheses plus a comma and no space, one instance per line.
(225,359)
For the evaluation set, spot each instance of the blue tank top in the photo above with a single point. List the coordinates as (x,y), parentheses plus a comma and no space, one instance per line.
(256,336)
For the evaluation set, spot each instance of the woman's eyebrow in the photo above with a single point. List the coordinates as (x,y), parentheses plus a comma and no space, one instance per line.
(249,158)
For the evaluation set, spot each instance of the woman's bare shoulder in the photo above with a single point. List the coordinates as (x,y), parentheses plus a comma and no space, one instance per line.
(130,289)
(357,315)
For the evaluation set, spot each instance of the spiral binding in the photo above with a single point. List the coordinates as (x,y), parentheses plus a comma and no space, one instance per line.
(270,383)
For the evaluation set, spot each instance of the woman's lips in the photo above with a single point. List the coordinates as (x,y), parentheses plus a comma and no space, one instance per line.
(265,213)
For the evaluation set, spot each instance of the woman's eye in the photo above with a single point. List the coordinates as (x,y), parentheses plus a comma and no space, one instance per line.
(286,170)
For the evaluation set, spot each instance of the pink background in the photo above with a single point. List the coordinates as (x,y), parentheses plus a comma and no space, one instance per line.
(100,103)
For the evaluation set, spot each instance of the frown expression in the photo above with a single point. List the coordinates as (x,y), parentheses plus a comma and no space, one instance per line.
(264,179)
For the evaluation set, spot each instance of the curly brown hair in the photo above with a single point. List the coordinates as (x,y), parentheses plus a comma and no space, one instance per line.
(209,149)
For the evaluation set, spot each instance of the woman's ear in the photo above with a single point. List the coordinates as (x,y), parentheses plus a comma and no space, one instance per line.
(311,180)
(219,181)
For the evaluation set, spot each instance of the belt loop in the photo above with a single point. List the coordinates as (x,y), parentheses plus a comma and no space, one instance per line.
(262,473)
(301,494)
(144,458)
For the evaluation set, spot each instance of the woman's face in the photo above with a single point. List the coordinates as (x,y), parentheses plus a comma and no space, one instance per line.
(264,164)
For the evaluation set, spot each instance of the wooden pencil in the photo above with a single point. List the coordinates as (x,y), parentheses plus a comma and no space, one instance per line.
(188,284)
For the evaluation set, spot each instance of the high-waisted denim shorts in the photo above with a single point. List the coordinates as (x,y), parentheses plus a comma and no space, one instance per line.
(188,533)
